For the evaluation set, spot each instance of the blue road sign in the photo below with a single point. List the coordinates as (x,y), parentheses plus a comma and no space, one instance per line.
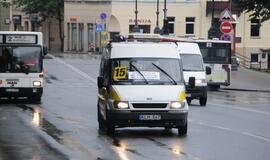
(103,16)
(99,27)
(226,37)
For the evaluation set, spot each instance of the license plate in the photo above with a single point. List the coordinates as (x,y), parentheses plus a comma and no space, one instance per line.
(149,117)
(12,90)
(188,95)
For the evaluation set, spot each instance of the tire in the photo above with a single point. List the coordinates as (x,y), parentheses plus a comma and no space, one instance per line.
(203,101)
(214,87)
(36,99)
(101,121)
(110,129)
(188,101)
(182,130)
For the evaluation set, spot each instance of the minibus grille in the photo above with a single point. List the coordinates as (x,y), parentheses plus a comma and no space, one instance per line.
(149,105)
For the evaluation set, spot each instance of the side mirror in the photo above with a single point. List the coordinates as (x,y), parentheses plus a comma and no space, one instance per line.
(191,82)
(208,70)
(45,50)
(100,82)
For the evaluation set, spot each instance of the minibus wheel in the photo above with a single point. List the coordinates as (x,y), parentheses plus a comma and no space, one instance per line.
(203,101)
(182,130)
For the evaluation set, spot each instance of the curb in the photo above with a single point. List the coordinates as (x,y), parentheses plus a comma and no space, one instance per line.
(245,90)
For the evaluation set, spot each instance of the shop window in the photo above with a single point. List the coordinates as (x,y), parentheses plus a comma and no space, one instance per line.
(254,57)
(73,36)
(143,28)
(255,28)
(81,30)
(91,37)
(190,25)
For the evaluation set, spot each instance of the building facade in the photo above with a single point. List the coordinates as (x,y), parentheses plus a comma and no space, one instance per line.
(186,18)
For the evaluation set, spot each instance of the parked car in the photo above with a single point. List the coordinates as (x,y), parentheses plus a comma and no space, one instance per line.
(235,62)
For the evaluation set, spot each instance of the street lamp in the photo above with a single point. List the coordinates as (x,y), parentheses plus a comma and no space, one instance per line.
(157,29)
(212,32)
(165,29)
(136,28)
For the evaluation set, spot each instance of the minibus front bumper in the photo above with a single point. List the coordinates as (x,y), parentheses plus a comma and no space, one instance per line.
(130,118)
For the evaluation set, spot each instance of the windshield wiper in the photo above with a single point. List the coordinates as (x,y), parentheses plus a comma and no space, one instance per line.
(163,71)
(139,72)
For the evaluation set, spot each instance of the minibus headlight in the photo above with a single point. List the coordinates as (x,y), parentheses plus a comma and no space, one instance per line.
(36,83)
(177,105)
(200,81)
(122,105)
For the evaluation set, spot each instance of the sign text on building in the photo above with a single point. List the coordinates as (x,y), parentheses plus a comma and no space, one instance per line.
(145,21)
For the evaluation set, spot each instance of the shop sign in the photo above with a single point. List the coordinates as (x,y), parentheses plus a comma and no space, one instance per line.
(73,19)
(140,21)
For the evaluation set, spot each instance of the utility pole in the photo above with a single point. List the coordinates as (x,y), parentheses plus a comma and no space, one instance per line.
(165,29)
(157,29)
(213,31)
(136,28)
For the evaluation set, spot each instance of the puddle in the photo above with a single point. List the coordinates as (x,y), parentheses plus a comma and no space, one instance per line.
(52,131)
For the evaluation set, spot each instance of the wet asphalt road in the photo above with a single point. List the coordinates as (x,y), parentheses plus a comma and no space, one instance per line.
(233,125)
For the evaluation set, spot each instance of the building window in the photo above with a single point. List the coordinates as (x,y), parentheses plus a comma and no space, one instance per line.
(91,37)
(68,36)
(254,57)
(190,23)
(255,28)
(171,21)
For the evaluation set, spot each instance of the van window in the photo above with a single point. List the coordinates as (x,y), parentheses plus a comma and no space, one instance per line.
(192,62)
(141,71)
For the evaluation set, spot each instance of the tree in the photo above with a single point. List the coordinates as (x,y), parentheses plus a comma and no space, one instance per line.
(4,3)
(45,9)
(258,9)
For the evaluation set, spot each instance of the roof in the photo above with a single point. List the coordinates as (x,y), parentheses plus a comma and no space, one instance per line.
(188,48)
(211,40)
(144,49)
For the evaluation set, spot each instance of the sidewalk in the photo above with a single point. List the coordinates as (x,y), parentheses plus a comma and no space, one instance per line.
(249,80)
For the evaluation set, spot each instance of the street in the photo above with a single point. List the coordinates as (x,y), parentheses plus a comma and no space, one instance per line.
(233,125)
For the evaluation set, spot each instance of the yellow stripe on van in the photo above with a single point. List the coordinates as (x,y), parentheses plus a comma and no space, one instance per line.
(114,95)
(182,95)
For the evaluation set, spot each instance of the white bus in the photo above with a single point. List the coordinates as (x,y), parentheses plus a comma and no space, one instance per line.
(21,65)
(217,55)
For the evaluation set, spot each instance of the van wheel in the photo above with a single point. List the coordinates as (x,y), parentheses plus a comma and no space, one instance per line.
(182,130)
(101,121)
(110,129)
(214,87)
(188,101)
(203,101)
(36,99)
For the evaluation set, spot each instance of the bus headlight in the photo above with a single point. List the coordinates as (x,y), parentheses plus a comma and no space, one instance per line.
(37,84)
(122,105)
(177,105)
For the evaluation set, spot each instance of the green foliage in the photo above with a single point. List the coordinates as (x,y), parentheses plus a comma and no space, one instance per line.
(4,3)
(258,9)
(44,8)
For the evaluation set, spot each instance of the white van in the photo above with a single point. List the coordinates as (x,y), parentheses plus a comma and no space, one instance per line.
(193,66)
(141,85)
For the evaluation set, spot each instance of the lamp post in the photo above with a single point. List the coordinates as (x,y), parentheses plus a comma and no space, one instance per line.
(212,32)
(136,28)
(165,29)
(157,29)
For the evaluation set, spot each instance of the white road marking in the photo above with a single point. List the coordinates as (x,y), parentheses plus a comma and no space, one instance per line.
(83,74)
(214,126)
(242,109)
(256,136)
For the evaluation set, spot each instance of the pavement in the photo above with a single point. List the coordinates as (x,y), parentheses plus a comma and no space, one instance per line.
(242,78)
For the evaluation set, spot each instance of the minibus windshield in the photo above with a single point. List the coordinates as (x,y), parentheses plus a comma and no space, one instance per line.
(192,62)
(141,71)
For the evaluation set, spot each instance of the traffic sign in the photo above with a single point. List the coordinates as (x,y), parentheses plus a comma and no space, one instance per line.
(226,37)
(226,27)
(103,16)
(99,27)
(226,15)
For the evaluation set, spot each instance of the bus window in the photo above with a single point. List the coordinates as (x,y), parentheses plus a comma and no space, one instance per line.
(5,59)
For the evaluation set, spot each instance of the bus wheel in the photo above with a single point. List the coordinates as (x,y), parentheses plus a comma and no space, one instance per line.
(203,101)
